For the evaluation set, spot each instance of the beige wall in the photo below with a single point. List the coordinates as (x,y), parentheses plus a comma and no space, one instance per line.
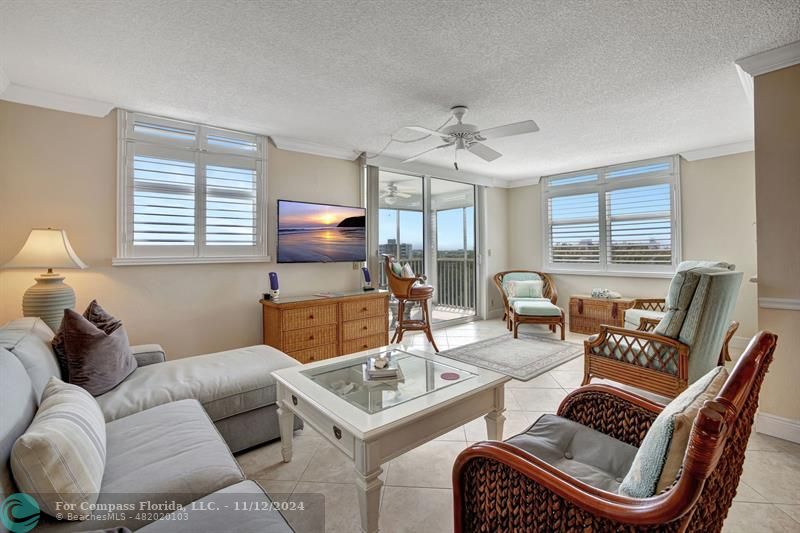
(59,169)
(777,139)
(497,207)
(718,215)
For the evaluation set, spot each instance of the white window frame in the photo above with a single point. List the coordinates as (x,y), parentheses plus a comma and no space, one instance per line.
(199,152)
(601,187)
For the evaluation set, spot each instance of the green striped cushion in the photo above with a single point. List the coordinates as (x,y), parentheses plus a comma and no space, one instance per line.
(62,455)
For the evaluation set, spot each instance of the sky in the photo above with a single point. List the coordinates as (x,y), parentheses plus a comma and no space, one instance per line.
(449,226)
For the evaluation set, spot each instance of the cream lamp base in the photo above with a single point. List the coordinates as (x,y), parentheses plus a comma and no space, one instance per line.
(48,299)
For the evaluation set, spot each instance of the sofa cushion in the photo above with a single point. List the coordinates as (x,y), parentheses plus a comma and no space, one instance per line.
(172,448)
(29,340)
(17,408)
(244,508)
(525,289)
(61,458)
(98,360)
(535,307)
(661,454)
(632,316)
(226,383)
(583,453)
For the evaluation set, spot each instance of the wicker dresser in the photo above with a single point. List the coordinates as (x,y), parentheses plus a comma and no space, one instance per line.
(312,328)
(587,314)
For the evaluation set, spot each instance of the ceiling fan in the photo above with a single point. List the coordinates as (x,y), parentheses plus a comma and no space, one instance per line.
(390,194)
(468,137)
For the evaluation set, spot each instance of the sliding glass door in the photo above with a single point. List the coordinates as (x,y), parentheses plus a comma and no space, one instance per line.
(430,224)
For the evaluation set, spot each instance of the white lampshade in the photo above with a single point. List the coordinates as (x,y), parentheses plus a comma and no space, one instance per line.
(46,248)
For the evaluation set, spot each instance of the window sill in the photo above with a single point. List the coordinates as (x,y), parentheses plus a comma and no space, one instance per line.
(611,274)
(144,261)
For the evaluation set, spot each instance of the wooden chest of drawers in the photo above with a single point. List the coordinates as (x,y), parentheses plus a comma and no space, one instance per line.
(587,314)
(313,328)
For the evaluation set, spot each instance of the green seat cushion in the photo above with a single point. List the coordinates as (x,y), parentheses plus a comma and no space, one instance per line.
(536,307)
(512,300)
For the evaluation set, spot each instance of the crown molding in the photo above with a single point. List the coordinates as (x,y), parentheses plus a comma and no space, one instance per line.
(313,148)
(424,169)
(770,60)
(524,182)
(718,151)
(21,94)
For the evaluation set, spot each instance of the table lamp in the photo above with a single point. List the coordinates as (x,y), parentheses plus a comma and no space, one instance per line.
(47,248)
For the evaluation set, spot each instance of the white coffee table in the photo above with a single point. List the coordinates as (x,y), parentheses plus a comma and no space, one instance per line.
(374,423)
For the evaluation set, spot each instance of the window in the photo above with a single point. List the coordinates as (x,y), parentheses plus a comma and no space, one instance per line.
(189,193)
(620,219)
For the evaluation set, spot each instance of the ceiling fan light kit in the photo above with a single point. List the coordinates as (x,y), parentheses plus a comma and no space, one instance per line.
(468,137)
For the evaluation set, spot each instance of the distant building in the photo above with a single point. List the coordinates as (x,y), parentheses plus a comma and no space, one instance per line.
(391,248)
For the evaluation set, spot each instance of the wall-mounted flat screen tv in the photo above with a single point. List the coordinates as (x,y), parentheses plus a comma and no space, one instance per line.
(320,233)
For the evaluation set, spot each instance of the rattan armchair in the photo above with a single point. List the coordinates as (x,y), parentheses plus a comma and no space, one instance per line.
(499,487)
(661,364)
(549,291)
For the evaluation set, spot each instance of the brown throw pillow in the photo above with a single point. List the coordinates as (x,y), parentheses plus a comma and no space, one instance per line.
(94,314)
(97,361)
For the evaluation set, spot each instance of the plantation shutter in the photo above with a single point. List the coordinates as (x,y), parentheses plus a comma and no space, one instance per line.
(639,225)
(191,191)
(574,229)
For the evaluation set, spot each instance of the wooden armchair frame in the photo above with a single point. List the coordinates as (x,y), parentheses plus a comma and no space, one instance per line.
(499,487)
(649,304)
(637,358)
(549,291)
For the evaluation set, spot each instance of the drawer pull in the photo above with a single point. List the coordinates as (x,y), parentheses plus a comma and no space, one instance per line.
(365,346)
(337,432)
(311,337)
(294,399)
(364,309)
(365,328)
(311,317)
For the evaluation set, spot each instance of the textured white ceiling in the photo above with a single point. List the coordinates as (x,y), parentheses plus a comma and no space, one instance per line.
(606,81)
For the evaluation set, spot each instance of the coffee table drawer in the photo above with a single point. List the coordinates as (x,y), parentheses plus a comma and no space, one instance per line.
(298,339)
(308,317)
(340,438)
(318,353)
(365,327)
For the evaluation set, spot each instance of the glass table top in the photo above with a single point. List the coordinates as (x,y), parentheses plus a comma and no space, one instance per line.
(420,376)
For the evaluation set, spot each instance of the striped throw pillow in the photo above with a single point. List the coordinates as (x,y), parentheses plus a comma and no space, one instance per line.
(62,455)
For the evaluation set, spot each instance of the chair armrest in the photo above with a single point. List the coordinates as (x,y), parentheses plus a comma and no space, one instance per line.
(639,348)
(615,412)
(649,304)
(499,487)
(647,324)
(148,354)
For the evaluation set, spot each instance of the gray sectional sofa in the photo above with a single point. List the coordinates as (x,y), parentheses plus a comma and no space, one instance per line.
(171,427)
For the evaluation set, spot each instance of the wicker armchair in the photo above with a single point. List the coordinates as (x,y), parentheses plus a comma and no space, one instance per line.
(499,487)
(549,291)
(661,364)
(649,324)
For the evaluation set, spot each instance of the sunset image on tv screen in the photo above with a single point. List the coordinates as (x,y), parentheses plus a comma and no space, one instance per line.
(310,233)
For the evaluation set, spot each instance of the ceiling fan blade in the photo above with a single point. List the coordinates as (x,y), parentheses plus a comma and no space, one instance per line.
(423,129)
(483,151)
(415,157)
(517,128)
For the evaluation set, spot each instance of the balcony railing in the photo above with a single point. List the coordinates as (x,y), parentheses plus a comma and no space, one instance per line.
(455,283)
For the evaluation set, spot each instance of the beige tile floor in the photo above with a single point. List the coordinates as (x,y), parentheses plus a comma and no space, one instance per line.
(417,493)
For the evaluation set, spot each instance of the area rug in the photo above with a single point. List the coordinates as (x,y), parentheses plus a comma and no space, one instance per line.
(523,358)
